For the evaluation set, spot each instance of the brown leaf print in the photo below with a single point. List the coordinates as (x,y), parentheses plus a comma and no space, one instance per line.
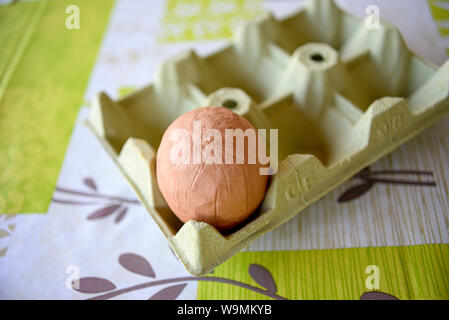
(370,178)
(3,233)
(94,285)
(103,212)
(377,295)
(111,203)
(356,191)
(121,215)
(139,265)
(89,182)
(3,251)
(6,230)
(136,264)
(263,277)
(9,216)
(169,293)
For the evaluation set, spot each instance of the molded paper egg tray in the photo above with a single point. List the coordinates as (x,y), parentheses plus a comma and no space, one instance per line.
(341,94)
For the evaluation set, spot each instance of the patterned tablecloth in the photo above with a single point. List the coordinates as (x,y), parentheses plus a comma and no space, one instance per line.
(385,236)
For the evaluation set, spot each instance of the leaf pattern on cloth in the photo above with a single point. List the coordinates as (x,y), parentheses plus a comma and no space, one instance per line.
(169,293)
(7,228)
(356,191)
(93,285)
(173,287)
(137,264)
(111,204)
(263,277)
(4,233)
(89,182)
(121,215)
(103,212)
(370,178)
(377,295)
(3,251)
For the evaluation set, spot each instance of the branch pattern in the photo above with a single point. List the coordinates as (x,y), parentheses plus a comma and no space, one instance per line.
(139,265)
(110,205)
(371,178)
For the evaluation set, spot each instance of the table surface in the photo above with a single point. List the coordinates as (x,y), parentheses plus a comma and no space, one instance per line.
(391,238)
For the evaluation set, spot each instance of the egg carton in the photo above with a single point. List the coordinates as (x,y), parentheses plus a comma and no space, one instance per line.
(341,93)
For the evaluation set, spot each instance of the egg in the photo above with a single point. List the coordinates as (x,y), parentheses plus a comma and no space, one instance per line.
(201,178)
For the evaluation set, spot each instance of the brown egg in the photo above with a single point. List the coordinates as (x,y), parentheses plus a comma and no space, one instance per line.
(195,185)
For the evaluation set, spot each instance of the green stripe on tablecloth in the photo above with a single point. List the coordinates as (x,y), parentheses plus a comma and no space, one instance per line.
(44,69)
(16,23)
(439,12)
(410,272)
(205,19)
(444,31)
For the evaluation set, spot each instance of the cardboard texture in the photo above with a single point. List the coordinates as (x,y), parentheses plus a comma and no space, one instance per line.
(342,94)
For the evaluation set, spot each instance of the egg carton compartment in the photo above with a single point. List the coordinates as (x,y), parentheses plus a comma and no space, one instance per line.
(341,94)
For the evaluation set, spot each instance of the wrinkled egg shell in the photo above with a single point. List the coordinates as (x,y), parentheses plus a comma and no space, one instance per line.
(222,195)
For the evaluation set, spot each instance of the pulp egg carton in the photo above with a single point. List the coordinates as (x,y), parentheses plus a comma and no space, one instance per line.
(341,93)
